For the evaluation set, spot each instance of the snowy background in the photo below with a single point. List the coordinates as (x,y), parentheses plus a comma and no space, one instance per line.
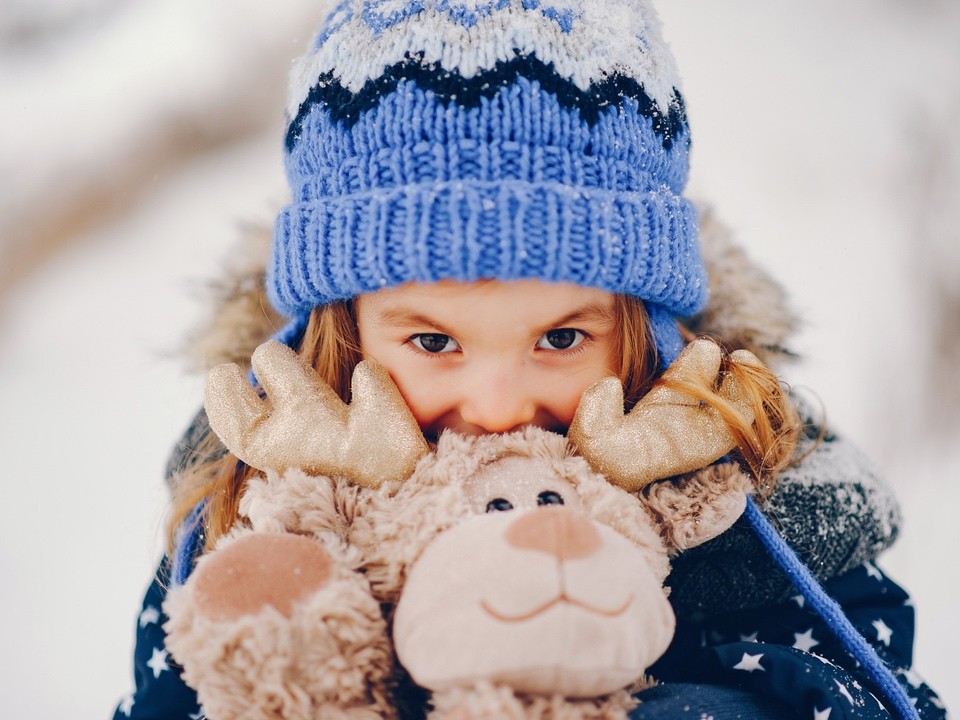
(135,138)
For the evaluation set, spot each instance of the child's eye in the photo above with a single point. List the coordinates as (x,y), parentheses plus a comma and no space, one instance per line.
(435,343)
(560,339)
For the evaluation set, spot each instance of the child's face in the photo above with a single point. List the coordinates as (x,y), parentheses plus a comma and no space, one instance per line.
(490,356)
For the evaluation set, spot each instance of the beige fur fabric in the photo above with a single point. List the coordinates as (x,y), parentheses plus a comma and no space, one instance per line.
(240,316)
(484,701)
(326,651)
(747,307)
(706,499)
(330,651)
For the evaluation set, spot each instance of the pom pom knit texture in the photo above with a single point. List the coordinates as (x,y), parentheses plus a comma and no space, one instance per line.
(509,139)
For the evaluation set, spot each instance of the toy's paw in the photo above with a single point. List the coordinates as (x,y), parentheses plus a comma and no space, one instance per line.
(272,626)
(257,571)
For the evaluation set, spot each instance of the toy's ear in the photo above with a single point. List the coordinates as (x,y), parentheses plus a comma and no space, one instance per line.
(699,506)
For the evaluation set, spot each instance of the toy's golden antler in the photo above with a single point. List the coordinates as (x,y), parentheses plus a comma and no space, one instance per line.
(307,426)
(667,432)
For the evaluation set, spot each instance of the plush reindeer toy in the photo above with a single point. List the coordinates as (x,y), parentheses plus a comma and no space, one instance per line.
(505,574)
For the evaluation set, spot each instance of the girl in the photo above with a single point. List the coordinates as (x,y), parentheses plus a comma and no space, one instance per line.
(487,199)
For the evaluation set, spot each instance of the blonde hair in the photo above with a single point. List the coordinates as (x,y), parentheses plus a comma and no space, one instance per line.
(331,345)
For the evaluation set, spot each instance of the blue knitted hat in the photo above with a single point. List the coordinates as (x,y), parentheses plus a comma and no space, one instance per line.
(505,139)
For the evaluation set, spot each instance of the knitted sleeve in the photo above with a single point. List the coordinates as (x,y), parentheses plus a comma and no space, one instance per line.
(831,506)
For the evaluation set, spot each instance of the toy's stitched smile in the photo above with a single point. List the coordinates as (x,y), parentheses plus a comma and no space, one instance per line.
(562,598)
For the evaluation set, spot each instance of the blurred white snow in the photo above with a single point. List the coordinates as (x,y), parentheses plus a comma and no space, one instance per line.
(135,138)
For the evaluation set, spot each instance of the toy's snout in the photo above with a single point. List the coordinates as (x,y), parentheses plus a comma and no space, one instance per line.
(541,598)
(555,531)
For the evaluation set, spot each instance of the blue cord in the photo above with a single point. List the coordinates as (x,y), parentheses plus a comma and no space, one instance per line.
(188,544)
(290,333)
(828,609)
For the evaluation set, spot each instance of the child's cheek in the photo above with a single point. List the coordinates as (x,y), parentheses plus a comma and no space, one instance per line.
(427,398)
(577,384)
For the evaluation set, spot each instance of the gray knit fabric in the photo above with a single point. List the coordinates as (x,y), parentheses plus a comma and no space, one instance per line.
(832,507)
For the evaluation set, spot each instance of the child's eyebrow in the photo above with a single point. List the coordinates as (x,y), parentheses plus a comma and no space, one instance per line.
(403,317)
(594,312)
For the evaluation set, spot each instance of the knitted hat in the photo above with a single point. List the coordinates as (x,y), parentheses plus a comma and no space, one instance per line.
(504,139)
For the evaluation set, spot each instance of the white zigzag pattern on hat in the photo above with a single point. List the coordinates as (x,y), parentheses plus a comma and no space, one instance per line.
(586,40)
(382,14)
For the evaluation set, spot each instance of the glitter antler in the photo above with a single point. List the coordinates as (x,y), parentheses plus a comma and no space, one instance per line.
(307,426)
(667,432)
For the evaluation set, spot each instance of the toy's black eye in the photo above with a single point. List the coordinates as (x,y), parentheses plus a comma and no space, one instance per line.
(549,497)
(499,505)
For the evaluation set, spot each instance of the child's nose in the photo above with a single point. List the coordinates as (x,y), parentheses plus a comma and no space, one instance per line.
(497,404)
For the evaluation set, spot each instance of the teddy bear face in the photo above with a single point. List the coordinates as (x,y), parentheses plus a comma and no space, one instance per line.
(544,600)
(526,587)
